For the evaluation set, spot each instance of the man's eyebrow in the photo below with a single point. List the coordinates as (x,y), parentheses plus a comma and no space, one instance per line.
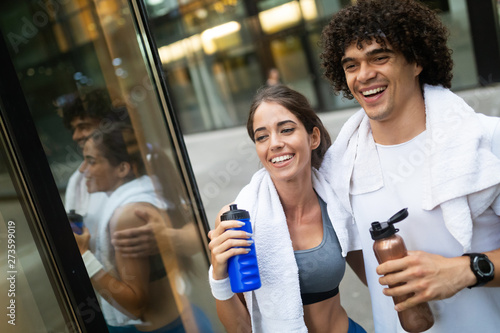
(378,51)
(369,54)
(346,60)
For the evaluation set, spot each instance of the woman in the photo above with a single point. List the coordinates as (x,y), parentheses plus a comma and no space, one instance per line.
(292,209)
(134,293)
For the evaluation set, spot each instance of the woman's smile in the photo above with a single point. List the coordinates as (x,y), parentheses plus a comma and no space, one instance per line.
(283,145)
(279,160)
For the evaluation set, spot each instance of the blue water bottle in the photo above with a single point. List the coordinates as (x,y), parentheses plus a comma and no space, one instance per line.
(76,221)
(243,269)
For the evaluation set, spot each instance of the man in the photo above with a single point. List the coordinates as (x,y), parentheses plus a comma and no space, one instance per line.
(415,144)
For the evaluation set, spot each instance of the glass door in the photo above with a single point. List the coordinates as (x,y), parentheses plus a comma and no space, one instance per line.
(42,278)
(94,91)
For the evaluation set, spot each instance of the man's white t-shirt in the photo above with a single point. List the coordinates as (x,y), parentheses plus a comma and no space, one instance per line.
(470,310)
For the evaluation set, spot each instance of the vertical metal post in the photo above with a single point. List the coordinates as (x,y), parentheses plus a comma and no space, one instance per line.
(483,18)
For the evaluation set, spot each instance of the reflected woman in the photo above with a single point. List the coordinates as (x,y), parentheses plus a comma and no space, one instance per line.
(134,293)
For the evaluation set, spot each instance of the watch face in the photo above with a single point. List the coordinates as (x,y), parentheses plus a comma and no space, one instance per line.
(484,266)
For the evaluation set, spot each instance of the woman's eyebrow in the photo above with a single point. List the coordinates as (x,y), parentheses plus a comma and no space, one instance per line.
(284,122)
(281,123)
(259,129)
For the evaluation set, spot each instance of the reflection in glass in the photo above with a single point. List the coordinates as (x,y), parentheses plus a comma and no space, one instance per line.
(102,74)
(133,291)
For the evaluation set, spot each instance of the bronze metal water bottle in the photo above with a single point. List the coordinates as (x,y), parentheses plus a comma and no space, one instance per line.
(388,246)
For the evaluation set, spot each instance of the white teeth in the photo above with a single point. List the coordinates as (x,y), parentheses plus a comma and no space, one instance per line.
(373,91)
(281,158)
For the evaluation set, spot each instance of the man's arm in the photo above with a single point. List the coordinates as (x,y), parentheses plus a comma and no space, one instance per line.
(146,240)
(431,276)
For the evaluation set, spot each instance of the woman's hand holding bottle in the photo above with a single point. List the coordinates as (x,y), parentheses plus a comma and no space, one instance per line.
(226,243)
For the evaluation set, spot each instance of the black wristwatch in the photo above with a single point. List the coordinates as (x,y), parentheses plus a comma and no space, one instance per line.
(482,267)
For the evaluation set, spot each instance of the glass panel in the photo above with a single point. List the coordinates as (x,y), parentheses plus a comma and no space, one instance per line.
(91,83)
(286,53)
(456,20)
(31,300)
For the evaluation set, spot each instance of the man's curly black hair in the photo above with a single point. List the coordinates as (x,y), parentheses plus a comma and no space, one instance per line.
(406,25)
(95,104)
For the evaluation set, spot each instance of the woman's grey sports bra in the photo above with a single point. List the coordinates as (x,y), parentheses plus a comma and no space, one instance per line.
(321,268)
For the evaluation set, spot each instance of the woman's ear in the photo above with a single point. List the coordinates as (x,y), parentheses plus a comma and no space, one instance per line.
(315,138)
(124,170)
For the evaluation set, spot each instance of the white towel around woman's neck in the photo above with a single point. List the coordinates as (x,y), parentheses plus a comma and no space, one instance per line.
(77,196)
(277,306)
(461,173)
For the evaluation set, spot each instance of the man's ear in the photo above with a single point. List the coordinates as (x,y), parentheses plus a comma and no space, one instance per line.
(418,69)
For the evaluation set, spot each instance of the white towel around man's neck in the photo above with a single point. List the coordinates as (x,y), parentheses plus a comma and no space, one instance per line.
(461,173)
(277,305)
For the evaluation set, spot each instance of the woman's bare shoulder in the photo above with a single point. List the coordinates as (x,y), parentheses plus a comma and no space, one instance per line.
(124,217)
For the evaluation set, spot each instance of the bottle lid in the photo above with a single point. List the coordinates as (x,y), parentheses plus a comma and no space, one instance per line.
(380,230)
(74,217)
(235,214)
